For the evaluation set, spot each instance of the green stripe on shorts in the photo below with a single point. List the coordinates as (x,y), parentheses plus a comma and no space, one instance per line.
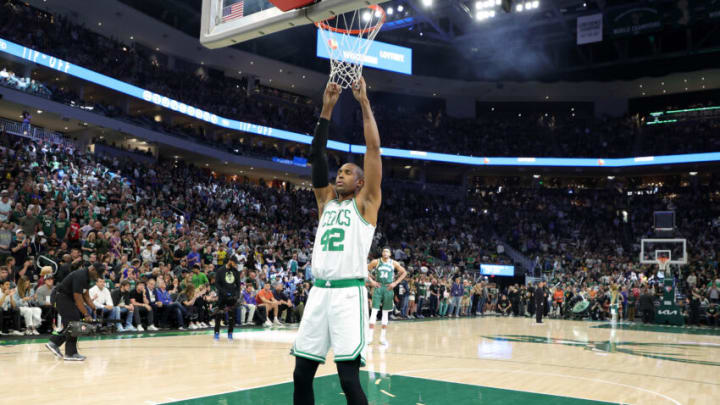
(344,283)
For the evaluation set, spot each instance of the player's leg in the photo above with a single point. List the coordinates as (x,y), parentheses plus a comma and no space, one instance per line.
(384,321)
(347,324)
(349,374)
(387,305)
(232,309)
(303,381)
(311,345)
(376,304)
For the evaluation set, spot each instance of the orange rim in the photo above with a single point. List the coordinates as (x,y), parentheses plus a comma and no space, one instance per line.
(374,7)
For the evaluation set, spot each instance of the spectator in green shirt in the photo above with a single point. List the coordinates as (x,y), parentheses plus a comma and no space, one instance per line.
(102,244)
(61,227)
(17,214)
(29,223)
(47,223)
(199,278)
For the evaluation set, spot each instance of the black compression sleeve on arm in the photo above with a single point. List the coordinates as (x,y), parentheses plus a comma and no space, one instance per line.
(318,156)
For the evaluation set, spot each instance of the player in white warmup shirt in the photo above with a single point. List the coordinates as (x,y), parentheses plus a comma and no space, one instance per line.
(335,314)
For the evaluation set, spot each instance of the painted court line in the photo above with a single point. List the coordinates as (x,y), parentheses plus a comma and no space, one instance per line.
(700,343)
(387,393)
(236,390)
(225,392)
(405,372)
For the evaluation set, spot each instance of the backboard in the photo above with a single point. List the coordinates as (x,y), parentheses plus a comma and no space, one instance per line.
(228,22)
(653,249)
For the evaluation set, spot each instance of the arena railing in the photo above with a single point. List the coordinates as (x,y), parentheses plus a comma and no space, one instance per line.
(35,133)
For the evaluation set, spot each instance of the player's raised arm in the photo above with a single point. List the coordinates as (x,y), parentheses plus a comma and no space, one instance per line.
(369,197)
(318,157)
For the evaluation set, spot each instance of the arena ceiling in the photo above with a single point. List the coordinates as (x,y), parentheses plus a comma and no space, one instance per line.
(539,44)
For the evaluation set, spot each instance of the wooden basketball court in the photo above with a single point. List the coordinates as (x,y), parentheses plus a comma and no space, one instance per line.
(452,361)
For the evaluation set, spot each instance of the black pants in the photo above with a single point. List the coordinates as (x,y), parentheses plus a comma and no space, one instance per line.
(223,306)
(538,311)
(149,313)
(260,315)
(47,316)
(648,315)
(201,309)
(473,304)
(694,315)
(3,314)
(161,313)
(433,305)
(287,310)
(69,312)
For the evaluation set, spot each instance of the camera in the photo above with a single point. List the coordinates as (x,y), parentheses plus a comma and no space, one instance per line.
(79,328)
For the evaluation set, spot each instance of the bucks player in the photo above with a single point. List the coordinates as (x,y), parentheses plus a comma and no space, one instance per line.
(382,298)
(335,314)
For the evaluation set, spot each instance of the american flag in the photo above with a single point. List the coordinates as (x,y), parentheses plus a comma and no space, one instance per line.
(233,11)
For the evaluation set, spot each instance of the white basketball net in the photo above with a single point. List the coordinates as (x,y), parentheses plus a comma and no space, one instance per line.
(348,38)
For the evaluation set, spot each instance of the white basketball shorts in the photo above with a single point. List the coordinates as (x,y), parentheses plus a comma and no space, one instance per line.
(335,316)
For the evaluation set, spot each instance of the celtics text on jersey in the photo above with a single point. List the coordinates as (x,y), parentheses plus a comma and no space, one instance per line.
(342,242)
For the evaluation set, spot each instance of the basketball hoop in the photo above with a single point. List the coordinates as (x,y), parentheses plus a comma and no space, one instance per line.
(663,262)
(348,39)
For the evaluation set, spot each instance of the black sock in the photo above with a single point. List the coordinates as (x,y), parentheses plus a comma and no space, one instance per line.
(349,373)
(303,379)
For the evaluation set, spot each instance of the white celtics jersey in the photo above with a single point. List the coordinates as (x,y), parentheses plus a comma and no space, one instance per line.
(342,242)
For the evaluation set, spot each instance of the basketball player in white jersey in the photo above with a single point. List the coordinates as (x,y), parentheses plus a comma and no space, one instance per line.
(384,282)
(335,314)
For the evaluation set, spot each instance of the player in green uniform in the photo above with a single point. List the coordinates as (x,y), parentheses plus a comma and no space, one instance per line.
(381,275)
